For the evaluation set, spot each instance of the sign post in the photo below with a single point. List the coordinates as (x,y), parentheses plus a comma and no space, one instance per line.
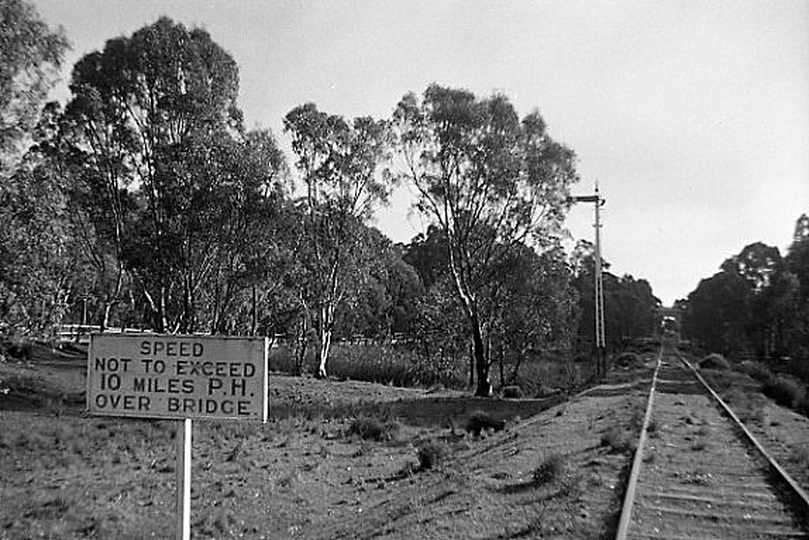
(178,377)
(184,479)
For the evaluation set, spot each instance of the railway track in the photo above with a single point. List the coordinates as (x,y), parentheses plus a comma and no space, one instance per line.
(697,473)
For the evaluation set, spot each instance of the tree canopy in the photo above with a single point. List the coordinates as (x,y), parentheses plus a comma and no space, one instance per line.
(30,56)
(490,181)
(145,202)
(758,304)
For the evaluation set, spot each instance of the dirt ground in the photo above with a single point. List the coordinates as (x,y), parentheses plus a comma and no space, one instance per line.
(555,471)
(305,474)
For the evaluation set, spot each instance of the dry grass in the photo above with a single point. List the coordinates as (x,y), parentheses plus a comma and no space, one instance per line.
(550,470)
(799,455)
(748,406)
(617,440)
(371,428)
(431,454)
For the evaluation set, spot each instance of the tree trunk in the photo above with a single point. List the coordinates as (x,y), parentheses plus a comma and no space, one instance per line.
(301,340)
(325,347)
(471,366)
(253,314)
(326,328)
(163,322)
(484,386)
(105,316)
(502,374)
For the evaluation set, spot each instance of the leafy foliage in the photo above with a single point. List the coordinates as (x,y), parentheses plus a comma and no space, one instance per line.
(631,310)
(30,56)
(147,203)
(339,163)
(490,182)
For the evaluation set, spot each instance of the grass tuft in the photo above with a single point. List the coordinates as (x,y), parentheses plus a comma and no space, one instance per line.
(370,428)
(431,453)
(784,391)
(616,439)
(480,420)
(550,471)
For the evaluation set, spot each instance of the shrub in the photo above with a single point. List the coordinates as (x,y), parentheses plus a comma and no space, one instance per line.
(784,391)
(512,392)
(798,368)
(714,361)
(372,429)
(628,360)
(799,456)
(551,470)
(431,453)
(803,408)
(756,370)
(481,420)
(616,440)
(16,349)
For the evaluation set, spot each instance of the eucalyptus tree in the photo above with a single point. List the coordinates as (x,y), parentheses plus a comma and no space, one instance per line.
(341,167)
(154,120)
(31,55)
(248,225)
(39,267)
(534,307)
(489,180)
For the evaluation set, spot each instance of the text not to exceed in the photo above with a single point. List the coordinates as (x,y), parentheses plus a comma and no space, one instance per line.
(168,376)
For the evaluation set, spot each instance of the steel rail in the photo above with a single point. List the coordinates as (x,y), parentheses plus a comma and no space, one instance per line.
(629,496)
(774,465)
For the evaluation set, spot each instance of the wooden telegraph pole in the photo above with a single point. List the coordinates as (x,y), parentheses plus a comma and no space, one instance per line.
(600,345)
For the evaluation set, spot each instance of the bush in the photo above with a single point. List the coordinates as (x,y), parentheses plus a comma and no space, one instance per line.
(616,440)
(372,429)
(784,391)
(431,453)
(798,368)
(551,470)
(628,360)
(803,408)
(756,370)
(480,420)
(16,349)
(799,456)
(714,361)
(512,392)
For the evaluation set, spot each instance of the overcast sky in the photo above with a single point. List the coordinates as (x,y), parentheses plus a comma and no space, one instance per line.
(692,115)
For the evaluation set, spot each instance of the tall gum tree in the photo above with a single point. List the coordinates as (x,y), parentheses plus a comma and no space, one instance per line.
(30,58)
(155,115)
(491,181)
(341,166)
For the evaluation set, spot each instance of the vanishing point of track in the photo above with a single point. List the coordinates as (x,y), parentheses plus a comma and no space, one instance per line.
(698,473)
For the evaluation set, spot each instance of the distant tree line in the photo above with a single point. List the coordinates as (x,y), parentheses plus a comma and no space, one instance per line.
(757,305)
(145,202)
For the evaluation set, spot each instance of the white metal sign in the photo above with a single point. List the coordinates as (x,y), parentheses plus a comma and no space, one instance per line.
(169,376)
